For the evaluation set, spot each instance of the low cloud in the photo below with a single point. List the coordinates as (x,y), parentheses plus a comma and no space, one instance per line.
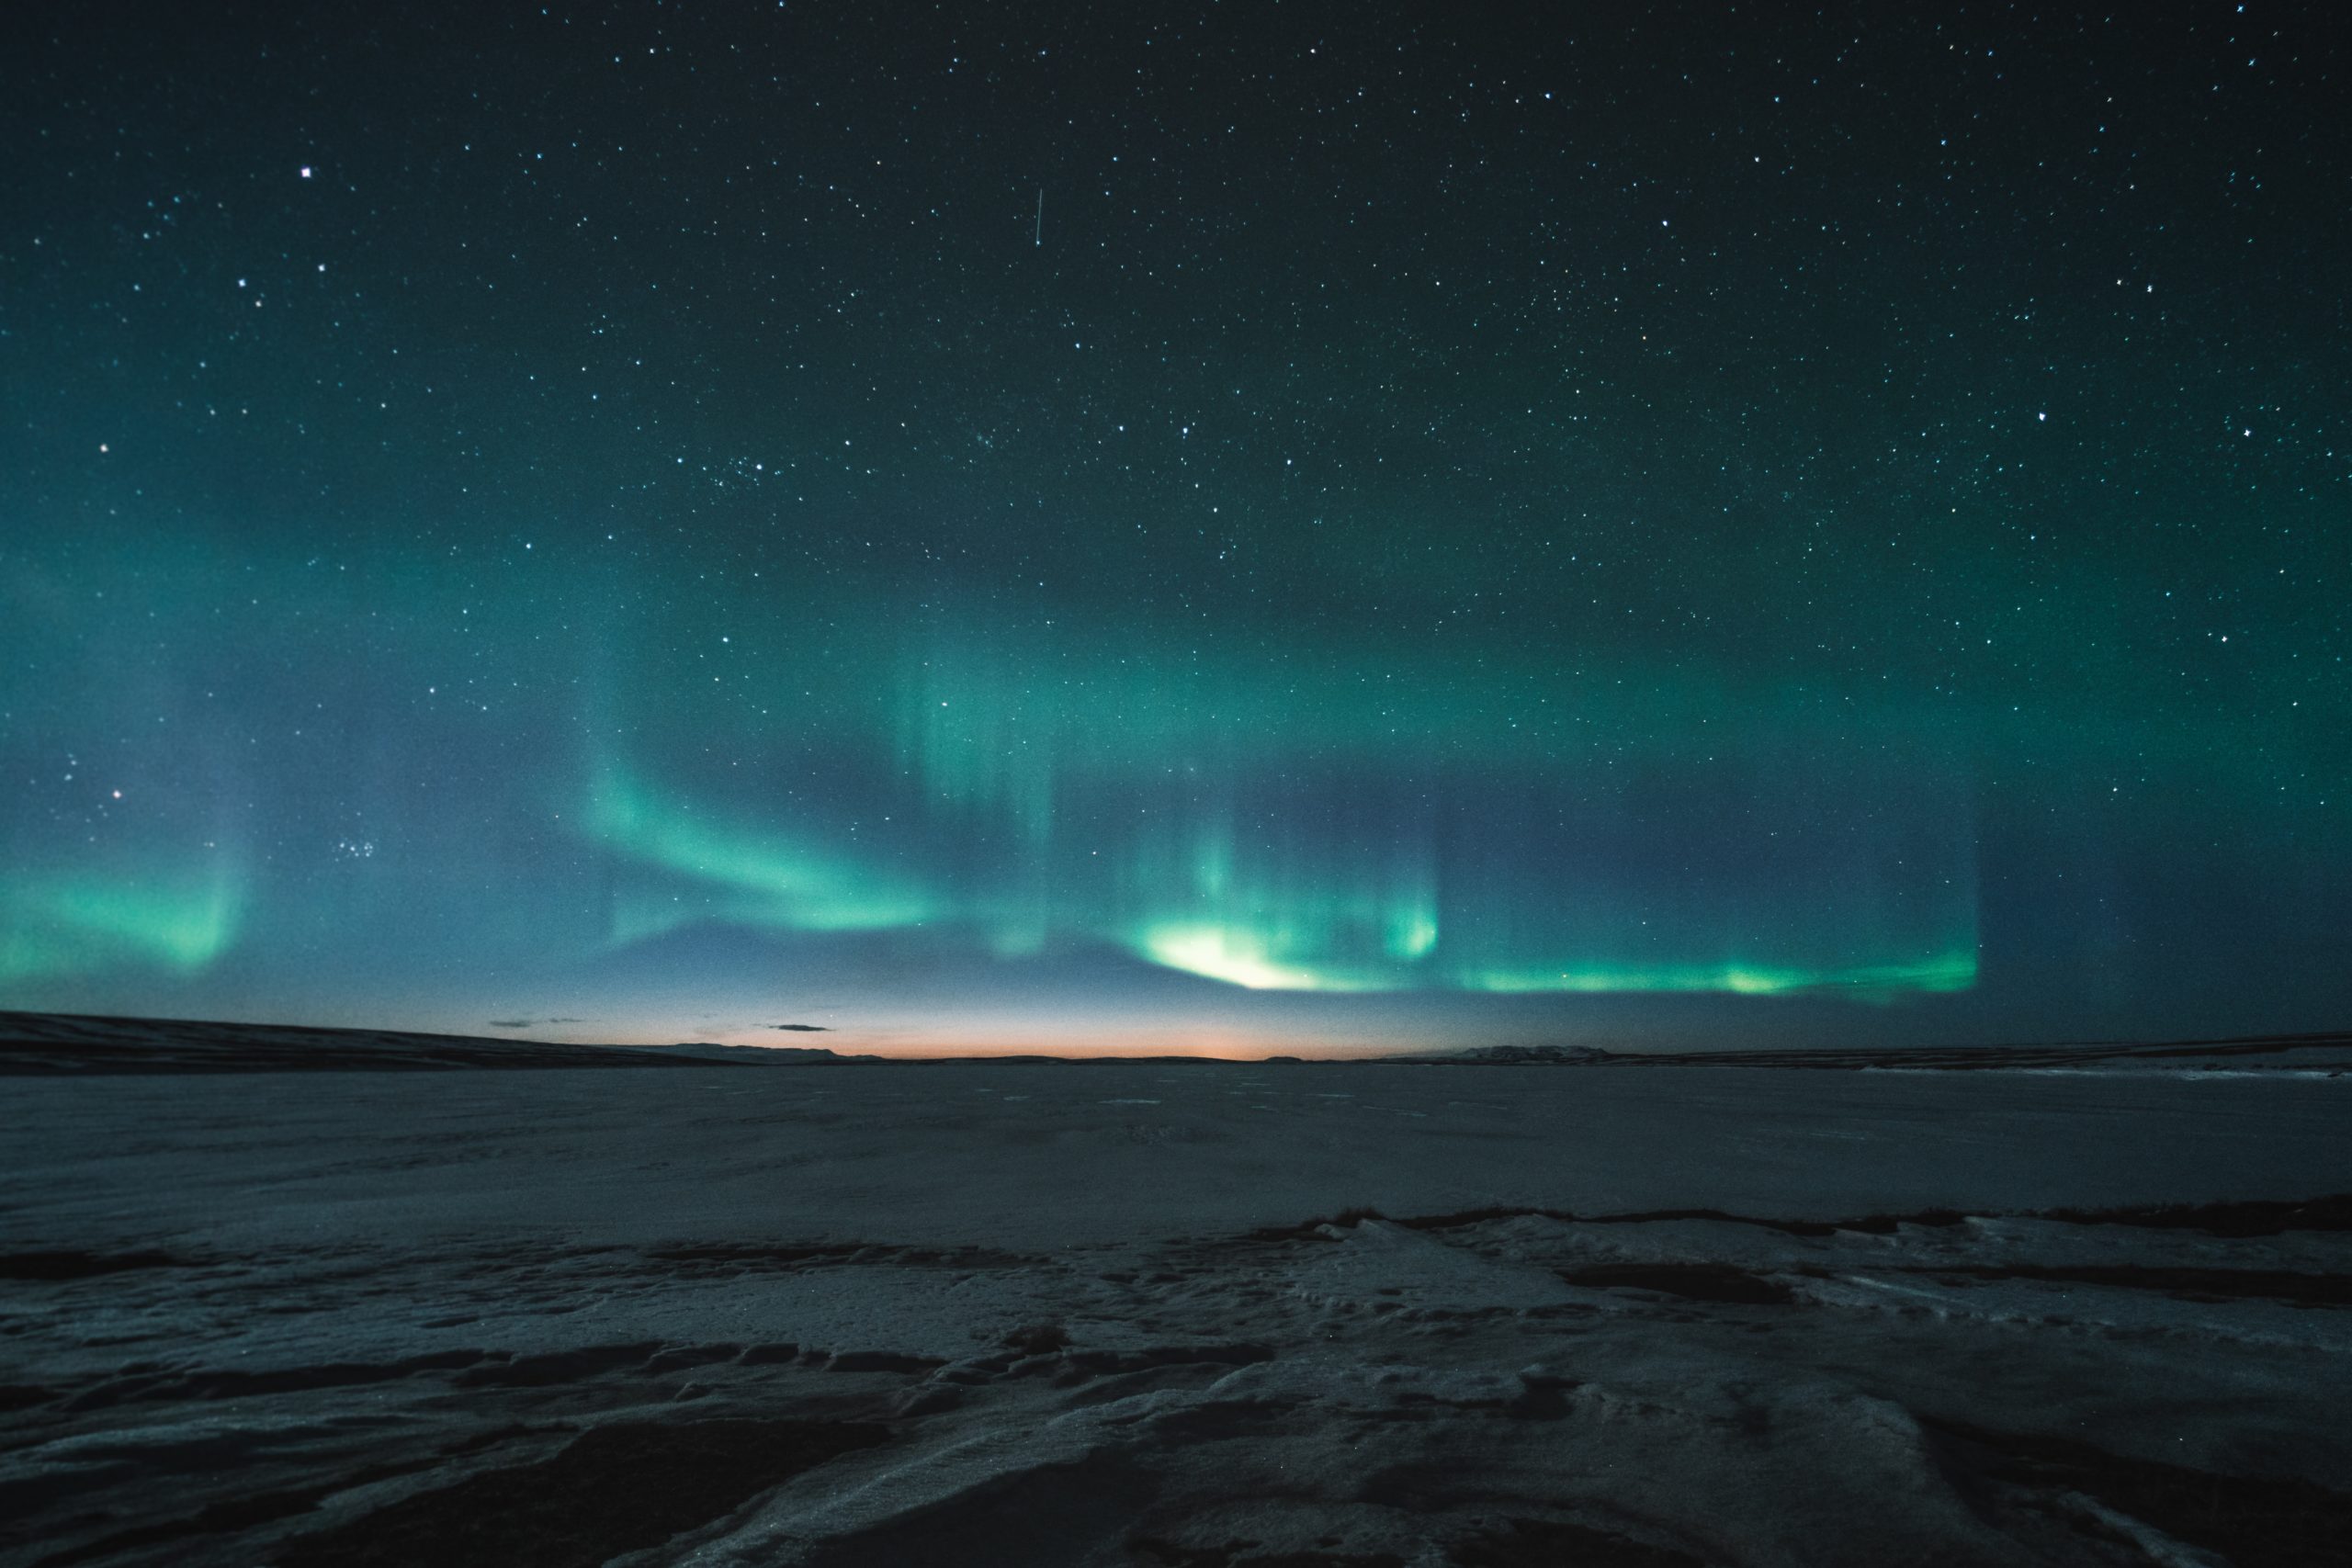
(803,1028)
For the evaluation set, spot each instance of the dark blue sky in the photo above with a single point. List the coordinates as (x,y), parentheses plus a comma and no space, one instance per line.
(1214,526)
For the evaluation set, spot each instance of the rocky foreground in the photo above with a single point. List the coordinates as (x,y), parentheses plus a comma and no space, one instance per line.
(1218,1316)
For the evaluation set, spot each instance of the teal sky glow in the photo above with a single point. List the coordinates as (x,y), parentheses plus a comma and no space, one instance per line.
(1446,532)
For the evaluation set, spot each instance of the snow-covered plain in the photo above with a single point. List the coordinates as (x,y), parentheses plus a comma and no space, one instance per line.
(1048,1314)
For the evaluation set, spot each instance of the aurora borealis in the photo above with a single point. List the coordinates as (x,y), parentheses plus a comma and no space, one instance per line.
(1180,528)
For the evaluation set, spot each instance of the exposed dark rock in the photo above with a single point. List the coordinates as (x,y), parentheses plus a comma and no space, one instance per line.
(617,1488)
(1038,1339)
(2274,1522)
(1053,1514)
(23,1397)
(2195,1284)
(1554,1543)
(2236,1220)
(881,1361)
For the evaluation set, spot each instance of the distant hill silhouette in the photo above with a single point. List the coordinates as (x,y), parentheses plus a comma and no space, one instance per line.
(66,1044)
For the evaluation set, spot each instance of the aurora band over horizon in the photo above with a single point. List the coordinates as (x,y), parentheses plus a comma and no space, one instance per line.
(1311,818)
(1449,532)
(1297,846)
(1308,816)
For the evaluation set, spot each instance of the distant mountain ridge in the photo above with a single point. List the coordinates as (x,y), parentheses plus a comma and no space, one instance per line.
(2058,1055)
(70,1045)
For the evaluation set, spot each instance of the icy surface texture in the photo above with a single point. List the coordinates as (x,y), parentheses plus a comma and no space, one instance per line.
(1175,1314)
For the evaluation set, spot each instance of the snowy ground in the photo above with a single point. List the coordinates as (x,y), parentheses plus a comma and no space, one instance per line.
(1038,1314)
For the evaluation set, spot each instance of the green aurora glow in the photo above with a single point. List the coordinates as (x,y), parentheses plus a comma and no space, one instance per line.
(1284,823)
(82,924)
(1842,564)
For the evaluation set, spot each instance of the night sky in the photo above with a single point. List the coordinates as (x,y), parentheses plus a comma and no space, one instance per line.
(1232,527)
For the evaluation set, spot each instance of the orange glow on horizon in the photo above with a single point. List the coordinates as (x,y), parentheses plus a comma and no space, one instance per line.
(1077,1041)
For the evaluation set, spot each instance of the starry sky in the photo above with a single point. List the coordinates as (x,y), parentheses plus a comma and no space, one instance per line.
(1179,526)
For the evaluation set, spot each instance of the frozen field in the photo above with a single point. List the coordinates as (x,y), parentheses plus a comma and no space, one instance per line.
(1043,1313)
